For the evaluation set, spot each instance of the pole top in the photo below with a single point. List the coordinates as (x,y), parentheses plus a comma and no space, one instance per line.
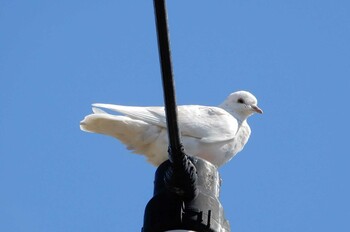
(168,211)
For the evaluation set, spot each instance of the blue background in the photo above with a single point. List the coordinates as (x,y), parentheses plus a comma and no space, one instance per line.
(58,57)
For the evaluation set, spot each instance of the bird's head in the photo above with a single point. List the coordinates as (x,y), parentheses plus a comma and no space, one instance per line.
(241,104)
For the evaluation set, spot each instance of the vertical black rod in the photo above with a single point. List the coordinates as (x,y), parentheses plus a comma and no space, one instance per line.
(167,76)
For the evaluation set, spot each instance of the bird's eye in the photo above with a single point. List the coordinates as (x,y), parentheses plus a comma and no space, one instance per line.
(240,100)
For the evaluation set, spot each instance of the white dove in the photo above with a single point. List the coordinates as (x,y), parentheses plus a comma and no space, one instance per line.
(215,134)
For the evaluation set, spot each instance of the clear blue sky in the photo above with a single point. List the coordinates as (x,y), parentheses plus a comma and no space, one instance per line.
(58,57)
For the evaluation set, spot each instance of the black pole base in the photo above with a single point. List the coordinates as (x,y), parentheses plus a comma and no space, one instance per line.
(169,211)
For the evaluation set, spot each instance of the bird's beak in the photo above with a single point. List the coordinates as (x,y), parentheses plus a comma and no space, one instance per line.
(257,109)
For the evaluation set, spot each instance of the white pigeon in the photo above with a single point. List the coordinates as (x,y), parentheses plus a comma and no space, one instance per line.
(215,134)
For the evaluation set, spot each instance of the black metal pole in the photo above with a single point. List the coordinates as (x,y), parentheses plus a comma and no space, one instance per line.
(181,176)
(167,76)
(186,190)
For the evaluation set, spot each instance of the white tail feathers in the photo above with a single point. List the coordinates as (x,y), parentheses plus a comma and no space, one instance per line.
(138,136)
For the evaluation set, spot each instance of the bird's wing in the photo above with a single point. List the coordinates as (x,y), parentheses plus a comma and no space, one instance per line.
(152,115)
(209,124)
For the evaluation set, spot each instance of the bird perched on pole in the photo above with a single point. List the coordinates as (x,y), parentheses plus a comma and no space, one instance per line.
(215,134)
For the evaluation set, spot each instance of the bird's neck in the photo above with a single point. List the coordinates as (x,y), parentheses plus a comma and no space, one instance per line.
(240,117)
